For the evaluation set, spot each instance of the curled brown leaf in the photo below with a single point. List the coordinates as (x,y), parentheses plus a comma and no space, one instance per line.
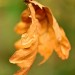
(40,33)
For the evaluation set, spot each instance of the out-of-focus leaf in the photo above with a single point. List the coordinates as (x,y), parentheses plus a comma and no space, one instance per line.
(40,34)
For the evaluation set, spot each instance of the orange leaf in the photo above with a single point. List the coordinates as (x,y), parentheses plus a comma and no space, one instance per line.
(40,33)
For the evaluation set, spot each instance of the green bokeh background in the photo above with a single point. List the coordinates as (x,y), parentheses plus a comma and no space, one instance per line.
(10,11)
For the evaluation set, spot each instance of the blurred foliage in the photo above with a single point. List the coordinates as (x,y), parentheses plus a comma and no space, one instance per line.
(10,11)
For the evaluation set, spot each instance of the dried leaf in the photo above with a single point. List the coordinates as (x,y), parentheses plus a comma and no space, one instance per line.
(63,46)
(40,33)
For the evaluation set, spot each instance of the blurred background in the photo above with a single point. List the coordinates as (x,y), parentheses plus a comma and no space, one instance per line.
(10,12)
